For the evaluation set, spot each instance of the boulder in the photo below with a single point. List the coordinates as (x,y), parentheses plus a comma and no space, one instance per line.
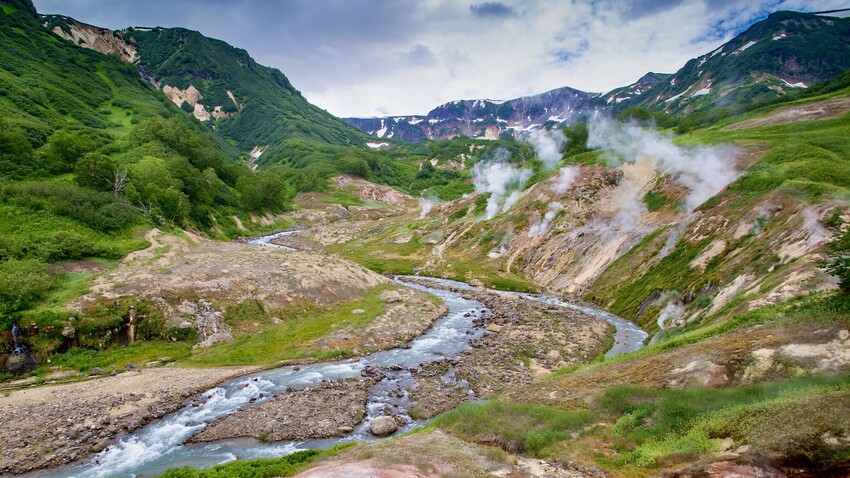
(20,363)
(390,296)
(383,426)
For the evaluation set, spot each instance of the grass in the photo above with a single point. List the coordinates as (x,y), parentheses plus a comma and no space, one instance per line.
(117,357)
(292,338)
(342,197)
(516,428)
(262,468)
(655,424)
(818,309)
(381,255)
(650,428)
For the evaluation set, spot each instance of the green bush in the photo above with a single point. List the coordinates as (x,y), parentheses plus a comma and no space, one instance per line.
(22,283)
(838,259)
(95,171)
(263,191)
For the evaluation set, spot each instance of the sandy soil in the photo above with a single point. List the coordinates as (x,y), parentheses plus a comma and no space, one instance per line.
(526,341)
(50,426)
(407,314)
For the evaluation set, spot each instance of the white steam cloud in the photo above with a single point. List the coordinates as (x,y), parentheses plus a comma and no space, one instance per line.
(703,170)
(547,146)
(539,228)
(811,224)
(672,311)
(426,203)
(502,180)
(628,198)
(565,179)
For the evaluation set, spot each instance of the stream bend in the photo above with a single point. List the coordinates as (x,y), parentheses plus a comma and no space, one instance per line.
(158,446)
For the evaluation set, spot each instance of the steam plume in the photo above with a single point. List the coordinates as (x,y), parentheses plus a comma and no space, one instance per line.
(565,179)
(539,228)
(547,146)
(502,180)
(704,170)
(426,203)
(672,311)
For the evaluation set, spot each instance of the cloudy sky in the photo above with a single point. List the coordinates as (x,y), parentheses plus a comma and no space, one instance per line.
(393,57)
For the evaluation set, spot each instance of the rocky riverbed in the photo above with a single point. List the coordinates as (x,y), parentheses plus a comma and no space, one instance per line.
(526,341)
(319,411)
(54,425)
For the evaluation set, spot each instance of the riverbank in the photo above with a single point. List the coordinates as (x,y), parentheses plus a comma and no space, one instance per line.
(55,425)
(526,341)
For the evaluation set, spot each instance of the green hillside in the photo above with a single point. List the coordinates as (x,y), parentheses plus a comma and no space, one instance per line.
(89,153)
(781,54)
(269,111)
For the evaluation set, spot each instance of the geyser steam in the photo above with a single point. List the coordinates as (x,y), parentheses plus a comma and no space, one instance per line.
(547,146)
(539,228)
(501,179)
(426,203)
(704,170)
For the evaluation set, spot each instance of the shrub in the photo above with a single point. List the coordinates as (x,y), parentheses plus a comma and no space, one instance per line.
(838,259)
(22,283)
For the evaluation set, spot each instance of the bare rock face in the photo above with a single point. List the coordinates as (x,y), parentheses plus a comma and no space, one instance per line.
(383,426)
(211,325)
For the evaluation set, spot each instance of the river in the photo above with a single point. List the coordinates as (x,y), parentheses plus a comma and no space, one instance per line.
(159,446)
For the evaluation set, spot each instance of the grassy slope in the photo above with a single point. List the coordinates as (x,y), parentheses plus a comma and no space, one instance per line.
(804,163)
(271,109)
(59,102)
(651,429)
(291,339)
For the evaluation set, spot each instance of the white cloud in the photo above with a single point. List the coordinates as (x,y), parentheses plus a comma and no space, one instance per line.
(375,57)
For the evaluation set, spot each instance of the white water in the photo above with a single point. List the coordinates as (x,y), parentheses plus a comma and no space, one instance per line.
(627,336)
(159,446)
(266,241)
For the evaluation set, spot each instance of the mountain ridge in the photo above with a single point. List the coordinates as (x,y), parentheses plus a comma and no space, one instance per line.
(220,85)
(755,65)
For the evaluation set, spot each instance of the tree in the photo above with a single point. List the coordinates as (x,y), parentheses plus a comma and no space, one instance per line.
(576,139)
(22,283)
(16,152)
(66,146)
(263,191)
(96,171)
(838,258)
(354,166)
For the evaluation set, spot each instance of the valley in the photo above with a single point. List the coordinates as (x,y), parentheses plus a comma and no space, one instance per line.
(203,275)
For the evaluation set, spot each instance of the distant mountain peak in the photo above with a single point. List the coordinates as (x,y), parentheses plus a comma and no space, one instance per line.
(778,55)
